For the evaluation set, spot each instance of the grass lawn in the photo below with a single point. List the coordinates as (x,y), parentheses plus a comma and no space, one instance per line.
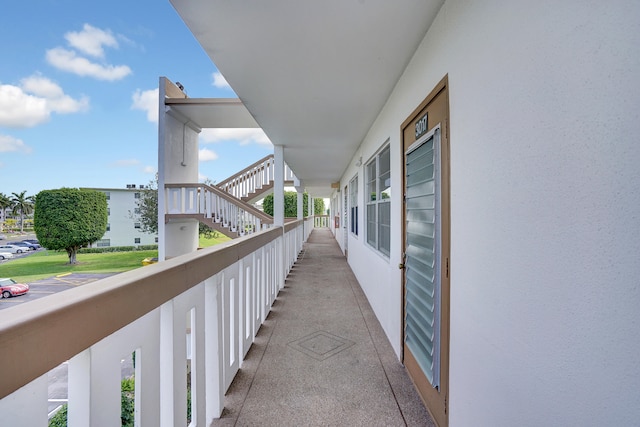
(45,263)
(205,243)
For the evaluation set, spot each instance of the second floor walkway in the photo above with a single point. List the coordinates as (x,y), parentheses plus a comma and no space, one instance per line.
(321,358)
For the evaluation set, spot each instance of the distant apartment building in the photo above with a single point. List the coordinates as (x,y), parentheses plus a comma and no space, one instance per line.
(123,224)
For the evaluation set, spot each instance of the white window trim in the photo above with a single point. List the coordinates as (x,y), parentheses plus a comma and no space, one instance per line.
(377,202)
(353,188)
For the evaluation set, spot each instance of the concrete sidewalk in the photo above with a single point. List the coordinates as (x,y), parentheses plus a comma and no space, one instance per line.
(321,358)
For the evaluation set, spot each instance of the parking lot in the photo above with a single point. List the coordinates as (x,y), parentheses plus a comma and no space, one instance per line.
(51,285)
(58,377)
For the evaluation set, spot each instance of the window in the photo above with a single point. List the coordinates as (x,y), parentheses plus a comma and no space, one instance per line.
(136,195)
(103,243)
(108,211)
(353,198)
(136,240)
(108,194)
(156,240)
(378,187)
(136,225)
(108,227)
(136,210)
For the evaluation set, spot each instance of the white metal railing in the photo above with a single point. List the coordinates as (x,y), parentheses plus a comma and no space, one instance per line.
(215,205)
(253,178)
(201,309)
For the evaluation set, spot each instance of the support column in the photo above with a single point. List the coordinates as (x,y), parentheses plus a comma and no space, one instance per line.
(309,205)
(177,163)
(300,192)
(278,185)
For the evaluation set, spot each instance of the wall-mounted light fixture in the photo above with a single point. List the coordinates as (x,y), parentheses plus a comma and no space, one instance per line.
(359,162)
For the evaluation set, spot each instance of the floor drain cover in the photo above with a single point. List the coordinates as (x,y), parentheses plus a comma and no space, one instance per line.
(321,345)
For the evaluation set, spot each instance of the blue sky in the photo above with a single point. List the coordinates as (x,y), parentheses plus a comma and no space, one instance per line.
(78,95)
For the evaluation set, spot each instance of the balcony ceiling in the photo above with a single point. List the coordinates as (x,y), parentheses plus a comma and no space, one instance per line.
(314,75)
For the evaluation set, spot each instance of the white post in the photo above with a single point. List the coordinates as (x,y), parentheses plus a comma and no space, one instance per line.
(300,208)
(177,164)
(79,389)
(26,406)
(161,179)
(214,380)
(278,185)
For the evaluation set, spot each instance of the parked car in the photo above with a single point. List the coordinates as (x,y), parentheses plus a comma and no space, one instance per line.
(5,255)
(34,241)
(14,249)
(11,288)
(30,245)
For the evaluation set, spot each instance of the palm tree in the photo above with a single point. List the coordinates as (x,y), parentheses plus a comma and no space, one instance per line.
(23,205)
(5,203)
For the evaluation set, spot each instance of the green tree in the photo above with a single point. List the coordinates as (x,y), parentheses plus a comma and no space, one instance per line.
(147,211)
(70,218)
(147,208)
(291,204)
(5,203)
(22,205)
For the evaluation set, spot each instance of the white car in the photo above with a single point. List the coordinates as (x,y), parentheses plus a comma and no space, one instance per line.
(5,255)
(13,249)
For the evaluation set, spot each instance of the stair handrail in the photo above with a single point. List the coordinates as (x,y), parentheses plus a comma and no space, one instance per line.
(253,178)
(215,205)
(245,170)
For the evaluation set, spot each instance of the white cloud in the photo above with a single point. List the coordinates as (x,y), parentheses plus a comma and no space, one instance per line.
(11,144)
(146,101)
(206,155)
(124,163)
(91,40)
(219,80)
(149,169)
(32,103)
(243,136)
(56,99)
(68,60)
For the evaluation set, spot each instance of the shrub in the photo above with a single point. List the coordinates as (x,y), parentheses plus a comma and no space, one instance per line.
(117,249)
(127,405)
(60,418)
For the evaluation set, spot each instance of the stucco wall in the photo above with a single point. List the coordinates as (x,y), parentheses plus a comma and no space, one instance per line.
(545,209)
(121,219)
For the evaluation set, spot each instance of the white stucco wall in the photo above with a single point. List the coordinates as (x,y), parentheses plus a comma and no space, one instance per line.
(180,166)
(545,209)
(122,219)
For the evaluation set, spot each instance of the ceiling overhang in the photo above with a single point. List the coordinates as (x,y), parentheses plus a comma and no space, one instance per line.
(213,112)
(313,75)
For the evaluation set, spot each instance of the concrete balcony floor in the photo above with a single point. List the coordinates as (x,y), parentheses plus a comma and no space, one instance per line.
(322,358)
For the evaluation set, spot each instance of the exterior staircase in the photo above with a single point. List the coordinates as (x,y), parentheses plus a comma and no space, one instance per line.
(251,183)
(227,206)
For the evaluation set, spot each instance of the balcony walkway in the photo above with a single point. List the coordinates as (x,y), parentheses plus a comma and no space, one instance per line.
(321,357)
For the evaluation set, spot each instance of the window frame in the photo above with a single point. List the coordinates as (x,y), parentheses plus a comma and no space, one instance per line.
(353,205)
(378,201)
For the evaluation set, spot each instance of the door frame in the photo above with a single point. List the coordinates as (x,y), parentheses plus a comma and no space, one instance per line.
(435,399)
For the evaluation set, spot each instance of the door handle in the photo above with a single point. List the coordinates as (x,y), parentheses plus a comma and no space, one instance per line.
(401,266)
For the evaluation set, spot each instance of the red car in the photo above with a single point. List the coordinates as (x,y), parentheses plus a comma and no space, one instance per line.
(10,288)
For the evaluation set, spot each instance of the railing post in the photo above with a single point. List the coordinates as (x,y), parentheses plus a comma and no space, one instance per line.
(27,405)
(214,380)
